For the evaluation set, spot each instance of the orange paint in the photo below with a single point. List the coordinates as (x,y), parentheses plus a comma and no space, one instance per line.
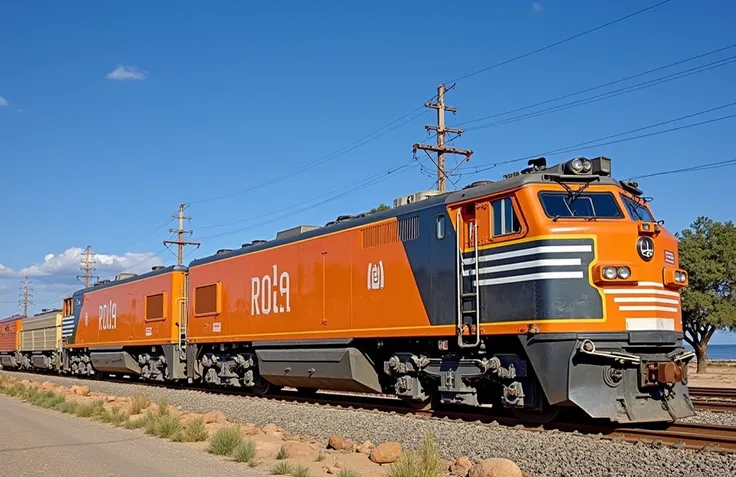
(116,315)
(319,288)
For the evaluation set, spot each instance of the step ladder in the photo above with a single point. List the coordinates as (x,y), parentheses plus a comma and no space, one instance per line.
(471,297)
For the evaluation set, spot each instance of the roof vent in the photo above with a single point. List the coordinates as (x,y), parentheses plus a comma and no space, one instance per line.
(477,184)
(224,250)
(157,267)
(295,231)
(258,242)
(415,197)
(124,276)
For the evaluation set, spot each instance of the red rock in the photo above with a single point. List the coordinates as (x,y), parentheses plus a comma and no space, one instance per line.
(386,453)
(299,450)
(214,417)
(495,468)
(366,447)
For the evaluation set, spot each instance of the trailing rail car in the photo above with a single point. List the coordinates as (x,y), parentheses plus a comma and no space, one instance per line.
(9,331)
(39,342)
(554,287)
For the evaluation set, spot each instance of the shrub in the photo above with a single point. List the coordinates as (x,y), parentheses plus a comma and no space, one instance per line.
(225,440)
(163,407)
(282,468)
(195,431)
(92,409)
(424,462)
(283,454)
(300,471)
(245,451)
(168,426)
(140,402)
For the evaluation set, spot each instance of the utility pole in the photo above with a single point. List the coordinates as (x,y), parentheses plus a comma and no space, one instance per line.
(87,268)
(25,296)
(441,149)
(180,232)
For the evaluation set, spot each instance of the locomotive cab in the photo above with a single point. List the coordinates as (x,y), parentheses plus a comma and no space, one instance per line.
(574,264)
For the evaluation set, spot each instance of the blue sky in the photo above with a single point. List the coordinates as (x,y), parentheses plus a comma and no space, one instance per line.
(113,114)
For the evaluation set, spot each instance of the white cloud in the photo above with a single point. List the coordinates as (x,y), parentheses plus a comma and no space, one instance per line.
(5,271)
(123,72)
(64,267)
(537,6)
(3,101)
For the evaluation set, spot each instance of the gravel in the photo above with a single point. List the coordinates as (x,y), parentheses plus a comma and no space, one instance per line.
(545,453)
(708,417)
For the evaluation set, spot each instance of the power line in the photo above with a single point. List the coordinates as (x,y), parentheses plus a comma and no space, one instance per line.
(701,167)
(363,184)
(669,77)
(334,155)
(558,43)
(596,143)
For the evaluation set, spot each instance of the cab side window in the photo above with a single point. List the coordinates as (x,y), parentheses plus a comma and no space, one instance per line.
(505,221)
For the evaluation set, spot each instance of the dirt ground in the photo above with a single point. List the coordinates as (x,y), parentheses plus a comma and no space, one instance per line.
(719,374)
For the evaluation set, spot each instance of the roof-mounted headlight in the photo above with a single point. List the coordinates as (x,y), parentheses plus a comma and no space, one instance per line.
(579,165)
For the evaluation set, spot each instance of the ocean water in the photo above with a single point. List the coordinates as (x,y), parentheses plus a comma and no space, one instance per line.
(720,351)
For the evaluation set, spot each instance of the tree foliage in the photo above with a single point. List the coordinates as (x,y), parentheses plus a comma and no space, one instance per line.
(380,208)
(708,253)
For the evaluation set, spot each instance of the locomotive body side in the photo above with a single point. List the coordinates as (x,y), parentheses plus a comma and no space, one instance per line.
(131,326)
(9,342)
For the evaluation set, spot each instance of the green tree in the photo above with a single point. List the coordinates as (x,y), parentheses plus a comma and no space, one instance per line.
(380,208)
(708,254)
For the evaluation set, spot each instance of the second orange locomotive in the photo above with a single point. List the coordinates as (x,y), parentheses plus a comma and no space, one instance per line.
(554,287)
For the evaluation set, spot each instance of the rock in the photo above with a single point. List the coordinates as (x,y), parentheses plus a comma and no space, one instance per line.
(386,453)
(274,431)
(366,447)
(80,390)
(213,427)
(338,442)
(47,386)
(331,470)
(299,450)
(461,467)
(110,399)
(495,468)
(213,417)
(250,430)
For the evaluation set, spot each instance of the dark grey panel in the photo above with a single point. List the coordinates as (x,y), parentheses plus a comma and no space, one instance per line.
(527,296)
(119,362)
(339,369)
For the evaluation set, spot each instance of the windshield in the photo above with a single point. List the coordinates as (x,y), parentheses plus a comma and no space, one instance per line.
(586,204)
(636,210)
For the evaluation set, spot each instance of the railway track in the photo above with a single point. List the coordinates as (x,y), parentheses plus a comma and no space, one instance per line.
(714,399)
(683,435)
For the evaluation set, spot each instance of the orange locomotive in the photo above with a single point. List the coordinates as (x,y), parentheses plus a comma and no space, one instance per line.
(552,288)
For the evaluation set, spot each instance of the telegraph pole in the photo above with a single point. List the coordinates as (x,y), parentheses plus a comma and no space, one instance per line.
(87,268)
(25,296)
(441,149)
(180,232)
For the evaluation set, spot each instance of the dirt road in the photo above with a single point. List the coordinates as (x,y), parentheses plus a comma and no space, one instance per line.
(38,442)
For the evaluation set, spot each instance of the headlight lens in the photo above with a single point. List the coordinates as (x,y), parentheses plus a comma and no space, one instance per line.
(587,166)
(680,277)
(609,273)
(577,165)
(624,273)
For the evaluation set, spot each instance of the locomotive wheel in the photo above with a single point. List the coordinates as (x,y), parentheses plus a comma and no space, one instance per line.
(263,387)
(419,405)
(547,414)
